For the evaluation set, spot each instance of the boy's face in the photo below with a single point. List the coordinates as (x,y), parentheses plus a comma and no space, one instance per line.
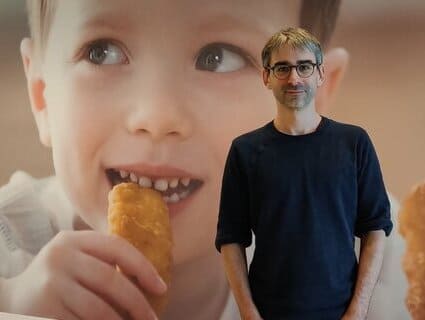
(158,88)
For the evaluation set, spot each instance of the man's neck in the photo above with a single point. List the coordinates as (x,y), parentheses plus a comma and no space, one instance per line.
(297,122)
(198,291)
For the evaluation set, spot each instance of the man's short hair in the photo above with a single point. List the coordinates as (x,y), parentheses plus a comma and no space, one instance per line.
(295,38)
(318,17)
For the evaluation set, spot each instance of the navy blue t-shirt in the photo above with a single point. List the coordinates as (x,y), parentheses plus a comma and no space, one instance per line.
(304,197)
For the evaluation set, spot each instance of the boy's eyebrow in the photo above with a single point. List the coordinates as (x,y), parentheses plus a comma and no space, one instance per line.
(221,22)
(107,21)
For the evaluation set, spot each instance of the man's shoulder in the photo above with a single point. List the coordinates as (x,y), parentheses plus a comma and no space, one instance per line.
(251,138)
(347,128)
(350,133)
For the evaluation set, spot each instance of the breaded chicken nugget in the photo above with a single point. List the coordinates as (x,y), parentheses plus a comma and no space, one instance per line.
(412,227)
(140,215)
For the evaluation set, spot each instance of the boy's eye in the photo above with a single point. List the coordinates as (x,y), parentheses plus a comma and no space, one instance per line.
(220,58)
(105,52)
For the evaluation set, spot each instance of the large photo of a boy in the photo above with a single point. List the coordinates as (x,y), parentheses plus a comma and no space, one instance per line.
(153,92)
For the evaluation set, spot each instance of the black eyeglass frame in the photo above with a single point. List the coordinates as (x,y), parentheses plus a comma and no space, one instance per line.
(290,66)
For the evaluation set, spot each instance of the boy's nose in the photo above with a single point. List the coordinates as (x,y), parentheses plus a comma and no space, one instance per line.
(160,116)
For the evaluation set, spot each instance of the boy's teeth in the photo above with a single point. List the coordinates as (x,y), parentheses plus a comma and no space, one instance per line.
(184,194)
(161,185)
(174,183)
(185,181)
(174,197)
(134,178)
(124,174)
(145,182)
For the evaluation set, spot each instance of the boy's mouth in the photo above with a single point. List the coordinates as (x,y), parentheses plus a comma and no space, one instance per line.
(173,189)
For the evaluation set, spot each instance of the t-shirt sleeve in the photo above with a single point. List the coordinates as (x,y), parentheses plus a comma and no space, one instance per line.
(25,224)
(373,206)
(233,219)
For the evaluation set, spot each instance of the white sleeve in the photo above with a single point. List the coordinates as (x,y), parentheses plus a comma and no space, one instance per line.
(25,226)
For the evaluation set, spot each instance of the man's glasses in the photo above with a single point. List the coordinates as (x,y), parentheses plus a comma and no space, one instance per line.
(282,70)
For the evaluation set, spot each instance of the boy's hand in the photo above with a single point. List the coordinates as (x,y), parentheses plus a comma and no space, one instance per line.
(74,277)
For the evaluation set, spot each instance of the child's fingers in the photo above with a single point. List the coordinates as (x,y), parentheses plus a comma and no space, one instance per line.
(65,314)
(104,280)
(117,251)
(85,304)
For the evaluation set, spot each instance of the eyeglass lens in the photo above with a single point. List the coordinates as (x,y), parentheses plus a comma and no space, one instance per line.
(303,70)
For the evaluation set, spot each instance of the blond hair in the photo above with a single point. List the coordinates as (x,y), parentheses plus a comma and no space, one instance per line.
(318,17)
(40,15)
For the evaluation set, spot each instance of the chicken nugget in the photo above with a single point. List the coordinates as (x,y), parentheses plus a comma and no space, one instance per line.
(412,228)
(140,215)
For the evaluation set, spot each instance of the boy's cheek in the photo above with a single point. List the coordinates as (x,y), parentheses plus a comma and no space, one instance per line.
(92,94)
(246,99)
(97,78)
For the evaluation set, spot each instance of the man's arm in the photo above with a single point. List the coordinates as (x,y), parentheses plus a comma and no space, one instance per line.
(370,262)
(235,264)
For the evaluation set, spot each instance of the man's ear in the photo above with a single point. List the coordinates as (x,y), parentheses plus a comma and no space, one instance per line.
(36,86)
(335,65)
(266,78)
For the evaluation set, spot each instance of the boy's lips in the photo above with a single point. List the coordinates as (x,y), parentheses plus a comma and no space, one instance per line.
(176,185)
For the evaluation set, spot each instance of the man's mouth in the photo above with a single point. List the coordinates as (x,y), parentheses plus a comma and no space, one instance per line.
(173,189)
(294,91)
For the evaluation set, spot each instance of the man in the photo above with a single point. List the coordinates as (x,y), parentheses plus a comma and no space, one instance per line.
(305,185)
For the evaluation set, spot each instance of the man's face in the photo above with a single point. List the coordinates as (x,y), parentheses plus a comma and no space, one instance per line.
(295,91)
(153,88)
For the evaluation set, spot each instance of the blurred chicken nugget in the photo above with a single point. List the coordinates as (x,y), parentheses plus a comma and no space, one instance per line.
(140,215)
(412,227)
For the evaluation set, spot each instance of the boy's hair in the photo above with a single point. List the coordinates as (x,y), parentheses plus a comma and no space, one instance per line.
(296,38)
(318,17)
(40,15)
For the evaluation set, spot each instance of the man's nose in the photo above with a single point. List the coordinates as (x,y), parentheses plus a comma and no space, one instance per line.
(293,76)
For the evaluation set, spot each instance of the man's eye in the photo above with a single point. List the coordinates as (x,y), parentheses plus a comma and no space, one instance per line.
(220,58)
(105,52)
(305,67)
(282,69)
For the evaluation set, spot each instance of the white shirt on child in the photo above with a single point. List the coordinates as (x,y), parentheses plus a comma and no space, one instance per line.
(28,220)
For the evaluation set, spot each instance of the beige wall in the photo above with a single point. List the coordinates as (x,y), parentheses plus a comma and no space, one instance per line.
(383,91)
(384,88)
(20,148)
